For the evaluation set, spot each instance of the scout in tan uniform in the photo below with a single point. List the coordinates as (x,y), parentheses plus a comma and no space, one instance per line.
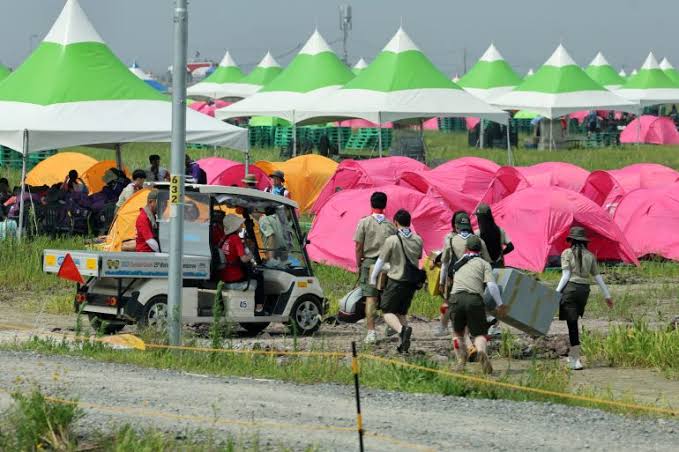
(578,265)
(401,251)
(472,275)
(371,233)
(454,247)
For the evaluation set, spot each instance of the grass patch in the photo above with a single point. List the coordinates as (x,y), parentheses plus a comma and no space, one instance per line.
(550,376)
(636,345)
(35,423)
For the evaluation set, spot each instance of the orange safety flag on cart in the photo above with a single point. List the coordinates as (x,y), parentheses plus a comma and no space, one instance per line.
(69,270)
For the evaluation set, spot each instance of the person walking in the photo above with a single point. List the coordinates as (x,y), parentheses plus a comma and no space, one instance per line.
(371,232)
(472,275)
(454,247)
(578,266)
(402,252)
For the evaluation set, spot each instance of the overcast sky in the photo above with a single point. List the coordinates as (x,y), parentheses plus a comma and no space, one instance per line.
(525,31)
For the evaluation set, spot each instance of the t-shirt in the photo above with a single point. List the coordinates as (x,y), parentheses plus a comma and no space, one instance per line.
(580,275)
(392,253)
(472,277)
(162,175)
(373,234)
(126,194)
(233,249)
(459,247)
(144,232)
(272,232)
(280,191)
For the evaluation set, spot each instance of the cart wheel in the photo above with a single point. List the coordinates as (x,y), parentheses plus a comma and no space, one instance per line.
(305,315)
(104,325)
(253,329)
(155,313)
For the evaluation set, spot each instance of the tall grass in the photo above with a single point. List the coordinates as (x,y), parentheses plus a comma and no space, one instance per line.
(637,345)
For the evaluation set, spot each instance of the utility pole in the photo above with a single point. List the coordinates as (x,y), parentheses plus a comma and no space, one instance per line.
(345,25)
(178,151)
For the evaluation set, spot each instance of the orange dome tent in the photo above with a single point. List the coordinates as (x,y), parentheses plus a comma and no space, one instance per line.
(54,169)
(305,176)
(94,176)
(124,225)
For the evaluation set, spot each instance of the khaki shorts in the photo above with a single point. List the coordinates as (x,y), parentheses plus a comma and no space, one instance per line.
(364,279)
(470,312)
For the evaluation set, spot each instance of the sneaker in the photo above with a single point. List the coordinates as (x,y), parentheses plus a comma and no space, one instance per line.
(389,331)
(495,331)
(404,346)
(486,367)
(440,331)
(574,364)
(371,337)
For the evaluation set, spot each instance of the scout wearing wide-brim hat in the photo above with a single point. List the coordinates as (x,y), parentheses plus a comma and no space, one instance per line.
(232,223)
(279,174)
(578,234)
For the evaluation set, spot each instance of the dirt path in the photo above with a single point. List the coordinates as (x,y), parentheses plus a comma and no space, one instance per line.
(322,415)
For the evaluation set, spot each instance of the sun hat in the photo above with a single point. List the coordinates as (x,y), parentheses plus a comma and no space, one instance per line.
(578,233)
(482,209)
(232,223)
(279,174)
(152,196)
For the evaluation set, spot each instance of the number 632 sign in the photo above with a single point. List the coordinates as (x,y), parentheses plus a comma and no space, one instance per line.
(174,189)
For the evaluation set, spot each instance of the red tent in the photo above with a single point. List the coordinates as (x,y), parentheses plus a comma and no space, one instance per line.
(209,107)
(653,130)
(538,220)
(370,173)
(332,232)
(649,218)
(509,179)
(227,172)
(607,188)
(460,183)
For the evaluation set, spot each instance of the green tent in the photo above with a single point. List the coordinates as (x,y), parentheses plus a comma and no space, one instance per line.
(268,121)
(4,71)
(603,73)
(315,70)
(490,77)
(560,87)
(669,70)
(219,84)
(265,72)
(651,85)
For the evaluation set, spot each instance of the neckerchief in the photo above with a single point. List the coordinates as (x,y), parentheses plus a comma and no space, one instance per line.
(379,217)
(406,233)
(151,217)
(465,234)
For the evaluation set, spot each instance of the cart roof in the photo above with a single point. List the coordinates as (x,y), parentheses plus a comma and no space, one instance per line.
(233,192)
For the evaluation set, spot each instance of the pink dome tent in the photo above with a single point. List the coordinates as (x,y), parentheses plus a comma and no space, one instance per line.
(538,221)
(362,124)
(209,107)
(460,183)
(370,173)
(607,188)
(227,172)
(431,124)
(332,232)
(650,221)
(653,130)
(510,179)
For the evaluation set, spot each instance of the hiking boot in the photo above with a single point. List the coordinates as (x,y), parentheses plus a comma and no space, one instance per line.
(404,346)
(371,337)
(483,359)
(471,354)
(389,331)
(495,331)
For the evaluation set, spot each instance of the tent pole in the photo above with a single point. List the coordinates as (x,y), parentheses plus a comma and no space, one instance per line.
(247,154)
(509,145)
(294,135)
(22,204)
(339,138)
(639,127)
(481,143)
(379,131)
(119,157)
(178,179)
(551,137)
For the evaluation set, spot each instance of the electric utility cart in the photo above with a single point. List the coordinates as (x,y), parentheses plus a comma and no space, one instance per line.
(124,288)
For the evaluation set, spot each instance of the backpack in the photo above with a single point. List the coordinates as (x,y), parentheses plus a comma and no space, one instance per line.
(450,271)
(412,273)
(352,307)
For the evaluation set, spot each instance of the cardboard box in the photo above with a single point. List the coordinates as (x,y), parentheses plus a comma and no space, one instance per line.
(531,304)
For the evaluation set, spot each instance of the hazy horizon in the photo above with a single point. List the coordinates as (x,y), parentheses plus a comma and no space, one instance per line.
(526,32)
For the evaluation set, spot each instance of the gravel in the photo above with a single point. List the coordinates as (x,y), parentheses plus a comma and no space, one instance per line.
(308,413)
